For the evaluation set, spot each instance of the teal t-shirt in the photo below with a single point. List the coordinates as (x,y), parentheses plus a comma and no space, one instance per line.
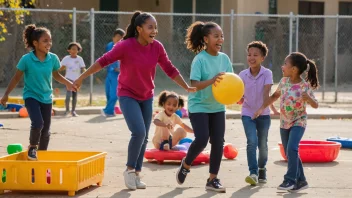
(205,67)
(38,76)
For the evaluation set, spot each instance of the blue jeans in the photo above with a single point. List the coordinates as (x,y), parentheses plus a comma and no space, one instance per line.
(290,141)
(138,116)
(257,136)
(111,93)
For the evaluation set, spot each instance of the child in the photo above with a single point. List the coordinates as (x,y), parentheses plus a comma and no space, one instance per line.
(206,114)
(113,72)
(258,81)
(139,54)
(38,68)
(295,93)
(74,66)
(165,137)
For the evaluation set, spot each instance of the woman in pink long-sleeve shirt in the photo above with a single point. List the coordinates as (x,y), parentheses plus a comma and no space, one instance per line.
(138,54)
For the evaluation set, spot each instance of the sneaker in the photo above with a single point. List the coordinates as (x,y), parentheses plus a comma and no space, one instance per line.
(215,185)
(130,179)
(102,112)
(166,147)
(74,114)
(262,175)
(252,179)
(67,113)
(140,184)
(181,173)
(301,185)
(286,185)
(32,153)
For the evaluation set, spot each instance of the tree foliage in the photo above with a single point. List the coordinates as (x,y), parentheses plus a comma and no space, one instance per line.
(10,17)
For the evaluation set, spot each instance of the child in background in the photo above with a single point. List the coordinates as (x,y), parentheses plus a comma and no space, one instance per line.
(113,71)
(74,66)
(165,137)
(258,81)
(38,67)
(206,114)
(295,93)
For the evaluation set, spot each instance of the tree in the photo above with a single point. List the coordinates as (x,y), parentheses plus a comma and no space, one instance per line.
(16,16)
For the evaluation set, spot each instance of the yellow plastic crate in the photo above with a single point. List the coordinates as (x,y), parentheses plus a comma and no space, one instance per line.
(69,171)
(59,102)
(15,100)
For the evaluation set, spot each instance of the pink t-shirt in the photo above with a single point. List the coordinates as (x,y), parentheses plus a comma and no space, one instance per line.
(292,107)
(138,66)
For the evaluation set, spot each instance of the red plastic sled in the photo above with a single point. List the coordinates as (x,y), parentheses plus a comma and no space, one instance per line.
(161,156)
(316,151)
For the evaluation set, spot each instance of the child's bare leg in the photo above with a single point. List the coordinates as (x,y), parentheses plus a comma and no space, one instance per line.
(165,134)
(178,135)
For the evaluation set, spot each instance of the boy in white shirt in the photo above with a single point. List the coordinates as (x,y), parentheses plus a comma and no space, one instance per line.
(74,66)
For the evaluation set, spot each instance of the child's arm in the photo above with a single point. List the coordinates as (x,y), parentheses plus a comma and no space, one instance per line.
(273,108)
(204,84)
(187,128)
(13,83)
(270,100)
(62,68)
(313,103)
(159,123)
(83,69)
(59,78)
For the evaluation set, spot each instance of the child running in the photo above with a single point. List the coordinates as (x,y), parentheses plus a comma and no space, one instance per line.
(74,66)
(166,136)
(38,67)
(207,116)
(295,93)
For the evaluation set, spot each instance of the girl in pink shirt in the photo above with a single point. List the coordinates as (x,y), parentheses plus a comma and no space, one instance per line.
(295,93)
(138,53)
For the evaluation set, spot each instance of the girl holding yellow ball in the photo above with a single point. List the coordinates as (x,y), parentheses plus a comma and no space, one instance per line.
(207,116)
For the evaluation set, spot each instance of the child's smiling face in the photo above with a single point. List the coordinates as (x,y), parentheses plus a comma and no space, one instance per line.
(214,39)
(171,105)
(254,57)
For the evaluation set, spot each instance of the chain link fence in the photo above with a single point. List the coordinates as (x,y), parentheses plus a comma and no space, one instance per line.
(325,39)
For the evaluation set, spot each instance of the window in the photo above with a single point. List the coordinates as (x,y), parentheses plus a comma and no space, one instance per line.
(345,8)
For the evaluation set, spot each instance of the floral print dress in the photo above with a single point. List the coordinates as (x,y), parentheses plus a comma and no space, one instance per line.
(292,107)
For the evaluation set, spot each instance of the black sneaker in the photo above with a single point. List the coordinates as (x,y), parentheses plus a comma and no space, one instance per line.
(181,173)
(262,175)
(215,185)
(286,185)
(301,185)
(32,153)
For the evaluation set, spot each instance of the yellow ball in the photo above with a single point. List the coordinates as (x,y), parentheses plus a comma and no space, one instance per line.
(229,90)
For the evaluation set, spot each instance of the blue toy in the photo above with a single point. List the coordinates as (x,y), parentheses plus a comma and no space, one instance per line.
(179,113)
(179,147)
(186,140)
(1,125)
(345,142)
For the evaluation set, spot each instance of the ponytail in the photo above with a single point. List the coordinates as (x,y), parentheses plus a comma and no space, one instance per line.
(32,33)
(138,19)
(312,76)
(195,35)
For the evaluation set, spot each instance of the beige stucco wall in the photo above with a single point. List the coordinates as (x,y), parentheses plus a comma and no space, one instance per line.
(68,4)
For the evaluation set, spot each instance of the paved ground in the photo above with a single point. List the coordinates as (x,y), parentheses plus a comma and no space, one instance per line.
(93,132)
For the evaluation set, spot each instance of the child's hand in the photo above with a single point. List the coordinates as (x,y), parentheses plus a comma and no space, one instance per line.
(77,84)
(306,97)
(191,89)
(169,126)
(276,113)
(4,100)
(217,78)
(257,113)
(241,101)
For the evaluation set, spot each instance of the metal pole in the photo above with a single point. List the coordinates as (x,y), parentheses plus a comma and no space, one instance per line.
(74,26)
(291,32)
(91,53)
(297,32)
(232,19)
(324,74)
(336,54)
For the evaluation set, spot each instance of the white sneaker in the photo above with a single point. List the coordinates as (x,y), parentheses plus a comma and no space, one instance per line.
(252,179)
(130,179)
(140,184)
